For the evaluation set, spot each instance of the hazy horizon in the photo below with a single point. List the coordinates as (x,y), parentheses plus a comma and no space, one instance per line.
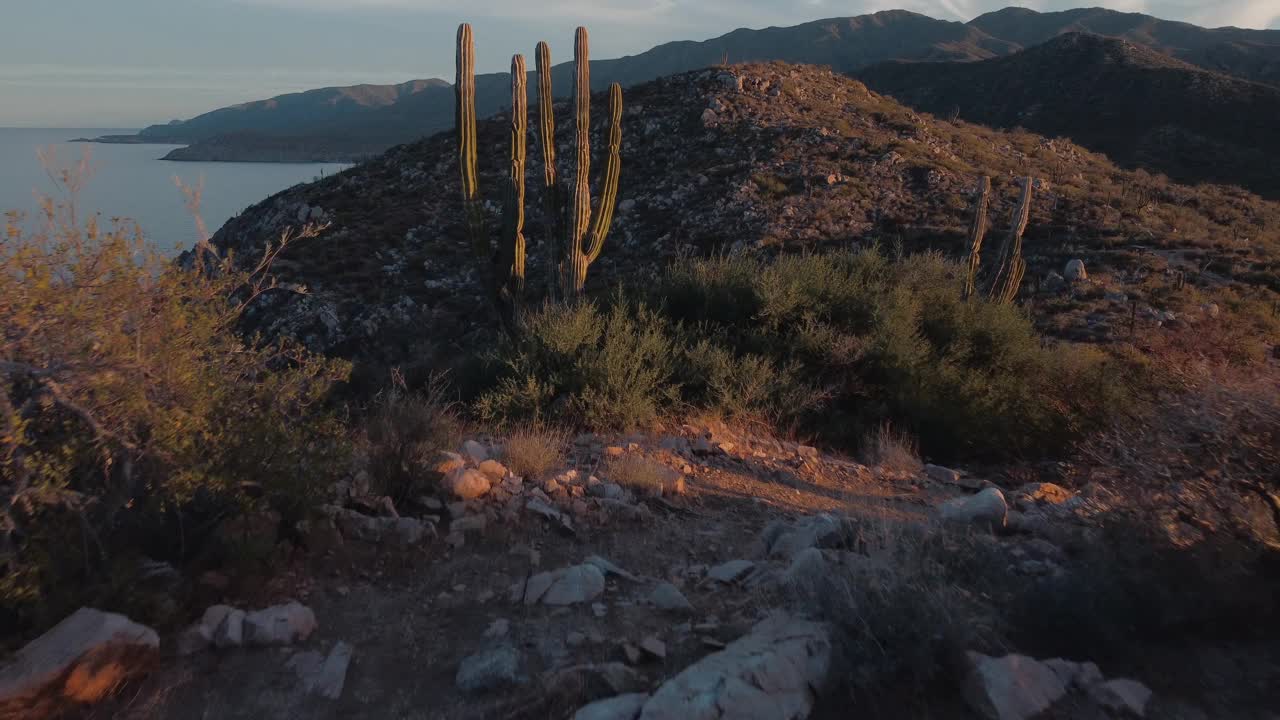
(133,63)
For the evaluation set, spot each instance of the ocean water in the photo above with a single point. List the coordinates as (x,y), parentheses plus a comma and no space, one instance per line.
(130,181)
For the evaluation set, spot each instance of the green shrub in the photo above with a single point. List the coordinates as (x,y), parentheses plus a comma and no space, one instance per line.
(578,363)
(127,399)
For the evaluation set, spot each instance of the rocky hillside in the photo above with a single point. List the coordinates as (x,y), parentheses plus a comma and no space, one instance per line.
(769,157)
(1137,106)
(1248,54)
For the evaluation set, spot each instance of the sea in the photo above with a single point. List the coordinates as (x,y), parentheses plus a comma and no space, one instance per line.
(131,182)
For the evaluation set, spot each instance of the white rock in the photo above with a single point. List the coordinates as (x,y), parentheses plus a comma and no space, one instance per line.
(1014,687)
(808,570)
(1075,271)
(320,675)
(775,671)
(609,568)
(573,585)
(782,540)
(82,658)
(279,625)
(987,508)
(621,707)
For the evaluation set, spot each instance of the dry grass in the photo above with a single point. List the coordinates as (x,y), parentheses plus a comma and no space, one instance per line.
(404,435)
(534,450)
(892,451)
(643,475)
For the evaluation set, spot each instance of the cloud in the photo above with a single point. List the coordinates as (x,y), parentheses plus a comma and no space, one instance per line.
(1242,13)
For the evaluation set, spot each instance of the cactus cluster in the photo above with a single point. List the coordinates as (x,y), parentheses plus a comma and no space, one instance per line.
(573,230)
(1010,265)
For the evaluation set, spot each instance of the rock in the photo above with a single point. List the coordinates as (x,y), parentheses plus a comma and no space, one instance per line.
(498,628)
(1122,696)
(1211,310)
(467,484)
(668,597)
(775,671)
(1047,493)
(447,462)
(731,571)
(941,474)
(323,676)
(608,491)
(82,659)
(1014,687)
(620,707)
(1075,271)
(194,639)
(410,531)
(1075,675)
(476,452)
(654,647)
(782,541)
(609,568)
(230,632)
(567,586)
(493,469)
(987,508)
(807,451)
(284,624)
(470,523)
(489,670)
(592,681)
(807,571)
(709,117)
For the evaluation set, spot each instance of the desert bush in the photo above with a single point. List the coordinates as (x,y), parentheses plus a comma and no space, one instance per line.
(640,474)
(404,433)
(533,450)
(886,339)
(127,397)
(580,363)
(892,450)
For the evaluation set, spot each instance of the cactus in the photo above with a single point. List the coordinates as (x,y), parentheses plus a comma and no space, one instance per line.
(976,234)
(509,258)
(581,228)
(553,203)
(1012,268)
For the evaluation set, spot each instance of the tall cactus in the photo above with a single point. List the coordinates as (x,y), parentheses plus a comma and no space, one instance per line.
(977,232)
(553,197)
(583,236)
(1012,268)
(509,258)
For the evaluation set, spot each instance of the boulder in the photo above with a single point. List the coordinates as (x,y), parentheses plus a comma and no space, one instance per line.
(782,541)
(447,462)
(320,675)
(668,597)
(937,473)
(773,672)
(82,659)
(467,484)
(620,707)
(592,681)
(1075,271)
(808,570)
(493,469)
(1047,493)
(987,508)
(1122,696)
(489,670)
(567,586)
(284,624)
(607,491)
(1014,687)
(474,451)
(230,632)
(731,571)
(609,568)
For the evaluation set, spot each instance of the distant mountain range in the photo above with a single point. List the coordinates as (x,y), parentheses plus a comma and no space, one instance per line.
(352,123)
(1139,107)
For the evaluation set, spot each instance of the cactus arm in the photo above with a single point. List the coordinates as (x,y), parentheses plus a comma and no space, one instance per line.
(613,170)
(1012,265)
(465,93)
(510,270)
(580,202)
(553,203)
(977,232)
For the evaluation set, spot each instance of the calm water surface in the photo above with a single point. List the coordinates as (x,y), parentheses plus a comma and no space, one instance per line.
(130,181)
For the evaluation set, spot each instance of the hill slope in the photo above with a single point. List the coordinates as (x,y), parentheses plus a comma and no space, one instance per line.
(788,157)
(1139,107)
(1248,54)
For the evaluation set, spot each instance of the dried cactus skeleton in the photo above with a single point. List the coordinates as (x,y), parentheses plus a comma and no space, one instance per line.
(1012,266)
(574,232)
(976,234)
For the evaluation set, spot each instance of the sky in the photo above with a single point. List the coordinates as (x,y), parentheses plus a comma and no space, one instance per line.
(131,63)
